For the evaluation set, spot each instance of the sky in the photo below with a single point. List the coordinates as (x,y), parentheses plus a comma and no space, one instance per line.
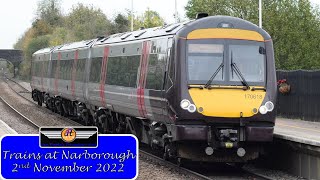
(16,16)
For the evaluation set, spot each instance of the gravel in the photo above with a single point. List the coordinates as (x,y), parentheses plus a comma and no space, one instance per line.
(40,116)
(274,174)
(16,122)
(150,169)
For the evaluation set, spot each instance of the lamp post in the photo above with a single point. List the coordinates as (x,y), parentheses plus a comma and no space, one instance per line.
(260,13)
(131,15)
(175,11)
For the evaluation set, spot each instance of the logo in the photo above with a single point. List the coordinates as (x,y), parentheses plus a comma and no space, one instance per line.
(68,137)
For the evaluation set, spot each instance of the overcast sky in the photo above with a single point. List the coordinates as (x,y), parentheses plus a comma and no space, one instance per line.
(16,16)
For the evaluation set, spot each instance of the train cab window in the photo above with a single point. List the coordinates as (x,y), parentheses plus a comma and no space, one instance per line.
(203,61)
(249,61)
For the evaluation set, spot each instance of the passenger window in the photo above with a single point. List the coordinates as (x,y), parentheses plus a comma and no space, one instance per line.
(123,70)
(95,70)
(80,69)
(157,65)
(155,73)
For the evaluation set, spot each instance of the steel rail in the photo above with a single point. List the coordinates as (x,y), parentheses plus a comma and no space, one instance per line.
(174,166)
(258,174)
(18,113)
(43,108)
(18,84)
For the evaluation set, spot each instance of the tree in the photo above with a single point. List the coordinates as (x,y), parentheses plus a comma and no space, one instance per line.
(61,35)
(87,22)
(41,27)
(294,26)
(33,45)
(148,20)
(120,24)
(50,12)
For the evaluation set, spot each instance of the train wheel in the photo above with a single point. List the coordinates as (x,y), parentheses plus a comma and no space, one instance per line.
(166,153)
(87,119)
(127,129)
(60,109)
(180,161)
(39,101)
(120,126)
(102,124)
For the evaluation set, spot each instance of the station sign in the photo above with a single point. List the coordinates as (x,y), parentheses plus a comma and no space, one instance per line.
(69,153)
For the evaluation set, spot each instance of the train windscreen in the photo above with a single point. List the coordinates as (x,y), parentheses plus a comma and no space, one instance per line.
(225,61)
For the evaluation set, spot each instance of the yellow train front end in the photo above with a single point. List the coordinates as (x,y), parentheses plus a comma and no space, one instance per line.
(226,90)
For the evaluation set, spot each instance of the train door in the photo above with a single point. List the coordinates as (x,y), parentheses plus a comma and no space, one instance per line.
(152,75)
(167,81)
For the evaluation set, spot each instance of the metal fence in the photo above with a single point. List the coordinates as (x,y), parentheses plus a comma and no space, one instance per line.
(303,101)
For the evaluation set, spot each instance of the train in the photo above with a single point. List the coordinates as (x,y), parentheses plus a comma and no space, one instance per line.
(201,90)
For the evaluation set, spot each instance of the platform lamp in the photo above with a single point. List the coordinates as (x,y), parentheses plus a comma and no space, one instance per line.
(260,13)
(131,15)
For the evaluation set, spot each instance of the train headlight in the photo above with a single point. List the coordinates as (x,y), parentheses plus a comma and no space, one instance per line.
(241,152)
(192,108)
(184,104)
(269,105)
(263,109)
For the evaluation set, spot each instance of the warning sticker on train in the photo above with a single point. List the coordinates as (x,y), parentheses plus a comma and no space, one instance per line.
(63,154)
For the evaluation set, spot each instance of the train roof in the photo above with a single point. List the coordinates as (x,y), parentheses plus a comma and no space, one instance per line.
(220,22)
(43,51)
(119,37)
(171,29)
(165,30)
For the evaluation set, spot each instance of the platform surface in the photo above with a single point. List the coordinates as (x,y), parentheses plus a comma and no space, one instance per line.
(5,129)
(298,131)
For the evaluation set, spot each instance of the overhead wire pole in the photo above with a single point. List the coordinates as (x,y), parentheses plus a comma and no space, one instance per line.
(131,15)
(260,13)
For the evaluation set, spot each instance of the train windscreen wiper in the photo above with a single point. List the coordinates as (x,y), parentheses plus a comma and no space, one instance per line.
(235,68)
(214,75)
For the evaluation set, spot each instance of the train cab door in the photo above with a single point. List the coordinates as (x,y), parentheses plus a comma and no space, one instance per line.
(167,81)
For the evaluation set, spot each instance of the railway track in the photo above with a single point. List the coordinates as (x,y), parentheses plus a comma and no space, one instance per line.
(26,94)
(190,171)
(207,171)
(18,113)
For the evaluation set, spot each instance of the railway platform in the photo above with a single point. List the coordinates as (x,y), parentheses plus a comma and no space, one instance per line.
(300,131)
(296,148)
(5,129)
